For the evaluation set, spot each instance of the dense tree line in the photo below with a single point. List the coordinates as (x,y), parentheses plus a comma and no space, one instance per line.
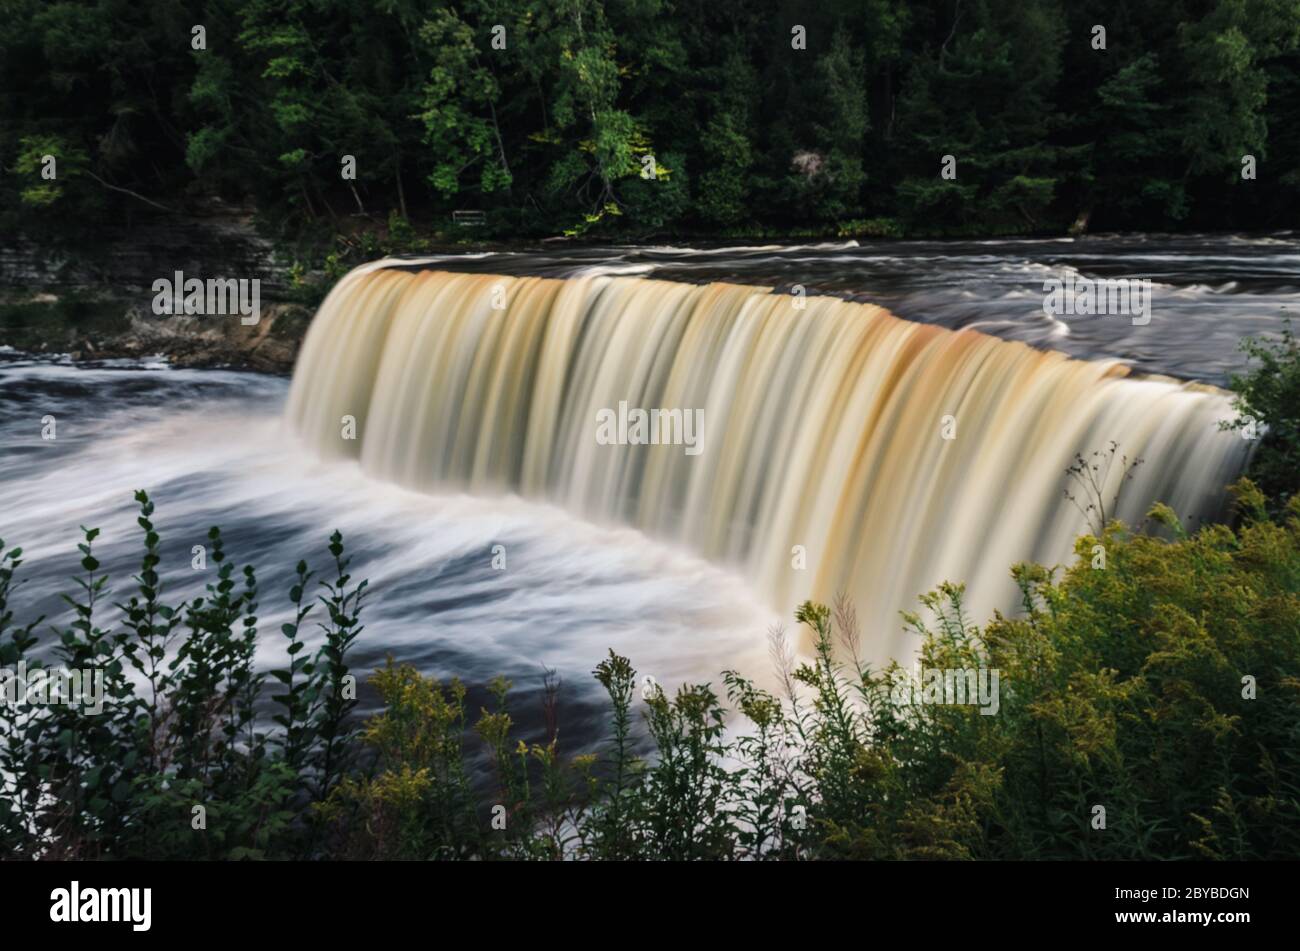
(654,116)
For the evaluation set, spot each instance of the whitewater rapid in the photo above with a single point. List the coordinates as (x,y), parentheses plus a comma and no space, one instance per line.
(212,448)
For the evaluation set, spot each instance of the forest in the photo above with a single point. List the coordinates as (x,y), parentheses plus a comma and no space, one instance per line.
(1149,669)
(642,118)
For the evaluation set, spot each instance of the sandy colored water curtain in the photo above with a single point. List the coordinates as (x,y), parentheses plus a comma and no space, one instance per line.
(823,426)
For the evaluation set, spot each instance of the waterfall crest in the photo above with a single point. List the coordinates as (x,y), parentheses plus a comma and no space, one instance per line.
(823,426)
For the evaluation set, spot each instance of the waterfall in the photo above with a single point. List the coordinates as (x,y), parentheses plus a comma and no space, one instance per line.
(823,426)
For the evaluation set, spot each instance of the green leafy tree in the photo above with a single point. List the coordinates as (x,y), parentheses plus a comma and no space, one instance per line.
(459,107)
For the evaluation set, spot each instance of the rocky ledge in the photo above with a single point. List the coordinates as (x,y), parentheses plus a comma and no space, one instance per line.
(100,303)
(109,329)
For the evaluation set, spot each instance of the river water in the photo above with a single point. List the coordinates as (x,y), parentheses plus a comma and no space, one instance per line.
(212,447)
(1208,291)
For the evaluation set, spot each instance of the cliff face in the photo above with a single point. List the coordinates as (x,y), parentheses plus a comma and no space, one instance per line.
(96,301)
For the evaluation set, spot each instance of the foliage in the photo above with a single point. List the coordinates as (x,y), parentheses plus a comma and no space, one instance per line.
(541,113)
(174,765)
(1268,395)
(1145,709)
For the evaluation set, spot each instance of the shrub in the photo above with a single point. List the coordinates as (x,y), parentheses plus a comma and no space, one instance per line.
(1269,394)
(1147,706)
(1164,688)
(175,765)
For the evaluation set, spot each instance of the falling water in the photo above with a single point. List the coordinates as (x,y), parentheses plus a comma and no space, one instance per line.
(823,426)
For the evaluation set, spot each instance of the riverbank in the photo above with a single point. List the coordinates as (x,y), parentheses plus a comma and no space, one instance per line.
(87,327)
(96,303)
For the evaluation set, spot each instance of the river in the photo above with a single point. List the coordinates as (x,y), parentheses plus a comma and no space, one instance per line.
(217,447)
